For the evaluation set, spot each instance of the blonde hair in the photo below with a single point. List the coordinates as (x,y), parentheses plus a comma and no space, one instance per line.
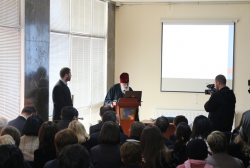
(79,130)
(217,142)
(6,140)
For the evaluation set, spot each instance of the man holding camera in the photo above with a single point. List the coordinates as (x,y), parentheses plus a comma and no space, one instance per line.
(221,106)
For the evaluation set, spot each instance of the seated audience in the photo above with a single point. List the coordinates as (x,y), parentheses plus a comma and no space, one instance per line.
(176,122)
(108,152)
(62,138)
(182,136)
(6,140)
(197,153)
(135,130)
(20,120)
(3,122)
(14,132)
(97,127)
(162,123)
(154,151)
(29,141)
(74,156)
(68,114)
(110,116)
(83,137)
(218,144)
(46,150)
(12,157)
(131,155)
(236,131)
(202,127)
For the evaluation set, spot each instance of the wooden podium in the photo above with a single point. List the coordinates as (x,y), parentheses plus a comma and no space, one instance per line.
(126,110)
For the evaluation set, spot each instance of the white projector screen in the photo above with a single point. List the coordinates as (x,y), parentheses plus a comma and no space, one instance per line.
(193,54)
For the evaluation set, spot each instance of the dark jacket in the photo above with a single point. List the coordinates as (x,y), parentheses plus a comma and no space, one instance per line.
(63,124)
(90,143)
(40,158)
(168,142)
(98,127)
(123,137)
(61,97)
(221,108)
(18,123)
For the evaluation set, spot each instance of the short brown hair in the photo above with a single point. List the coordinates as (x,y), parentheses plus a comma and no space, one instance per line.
(131,153)
(63,138)
(178,119)
(64,71)
(110,133)
(136,129)
(12,131)
(105,108)
(217,142)
(29,110)
(221,79)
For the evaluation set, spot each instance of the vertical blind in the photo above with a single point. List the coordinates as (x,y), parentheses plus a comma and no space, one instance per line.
(78,35)
(9,58)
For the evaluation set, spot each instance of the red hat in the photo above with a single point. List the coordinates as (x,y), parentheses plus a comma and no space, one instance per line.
(124,78)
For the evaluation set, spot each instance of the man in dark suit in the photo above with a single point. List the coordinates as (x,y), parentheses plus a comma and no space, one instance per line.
(20,120)
(136,129)
(68,114)
(97,127)
(61,94)
(109,116)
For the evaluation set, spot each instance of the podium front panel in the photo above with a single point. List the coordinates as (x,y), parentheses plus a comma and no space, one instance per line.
(127,114)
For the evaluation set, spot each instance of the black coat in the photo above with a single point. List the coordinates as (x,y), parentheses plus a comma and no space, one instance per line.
(18,123)
(61,97)
(123,137)
(63,124)
(221,108)
(98,127)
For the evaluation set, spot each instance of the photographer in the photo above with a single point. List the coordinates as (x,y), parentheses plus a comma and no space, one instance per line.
(221,107)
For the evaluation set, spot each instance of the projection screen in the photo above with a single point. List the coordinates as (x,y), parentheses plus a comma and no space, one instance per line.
(194,53)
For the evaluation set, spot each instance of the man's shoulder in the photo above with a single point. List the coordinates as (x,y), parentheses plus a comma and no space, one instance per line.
(93,127)
(95,135)
(19,119)
(168,142)
(51,164)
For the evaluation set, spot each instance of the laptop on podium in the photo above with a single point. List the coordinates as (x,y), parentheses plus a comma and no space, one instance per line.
(133,94)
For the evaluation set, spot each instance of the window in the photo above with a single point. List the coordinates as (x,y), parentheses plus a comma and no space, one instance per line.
(78,41)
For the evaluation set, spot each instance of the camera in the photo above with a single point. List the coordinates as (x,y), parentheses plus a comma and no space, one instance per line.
(210,89)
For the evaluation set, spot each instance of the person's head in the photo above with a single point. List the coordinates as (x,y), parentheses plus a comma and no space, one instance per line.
(109,116)
(182,133)
(131,154)
(6,140)
(63,138)
(220,82)
(32,125)
(202,127)
(124,81)
(65,74)
(162,123)
(152,146)
(13,132)
(103,109)
(28,111)
(79,130)
(11,157)
(217,142)
(74,156)
(136,129)
(69,113)
(197,149)
(46,136)
(3,122)
(178,119)
(110,133)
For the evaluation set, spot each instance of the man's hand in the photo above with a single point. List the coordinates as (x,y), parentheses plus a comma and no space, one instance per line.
(113,104)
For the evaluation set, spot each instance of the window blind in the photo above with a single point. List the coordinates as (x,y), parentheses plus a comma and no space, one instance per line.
(9,13)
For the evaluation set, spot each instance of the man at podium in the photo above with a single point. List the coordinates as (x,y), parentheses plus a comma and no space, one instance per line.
(118,91)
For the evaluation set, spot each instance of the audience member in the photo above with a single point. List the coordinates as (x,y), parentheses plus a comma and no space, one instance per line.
(46,150)
(154,151)
(131,155)
(20,120)
(236,131)
(108,152)
(74,156)
(177,120)
(29,141)
(62,138)
(218,144)
(162,123)
(83,137)
(182,135)
(97,127)
(136,129)
(12,157)
(14,132)
(6,140)
(3,122)
(110,116)
(68,114)
(197,153)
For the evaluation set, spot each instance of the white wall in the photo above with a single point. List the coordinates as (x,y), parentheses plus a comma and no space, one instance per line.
(138,52)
